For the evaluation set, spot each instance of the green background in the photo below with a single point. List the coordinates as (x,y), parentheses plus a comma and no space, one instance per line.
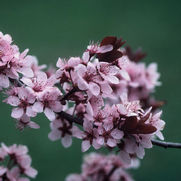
(63,28)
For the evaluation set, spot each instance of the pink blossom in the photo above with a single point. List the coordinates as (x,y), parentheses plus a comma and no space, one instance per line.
(20,166)
(24,122)
(108,72)
(48,102)
(87,78)
(102,167)
(106,91)
(65,68)
(23,102)
(62,129)
(38,83)
(12,62)
(89,136)
(109,136)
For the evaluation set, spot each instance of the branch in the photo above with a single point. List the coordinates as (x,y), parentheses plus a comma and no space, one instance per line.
(66,96)
(110,173)
(166,144)
(16,81)
(70,118)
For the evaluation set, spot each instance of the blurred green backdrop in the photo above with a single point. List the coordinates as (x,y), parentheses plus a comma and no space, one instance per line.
(63,28)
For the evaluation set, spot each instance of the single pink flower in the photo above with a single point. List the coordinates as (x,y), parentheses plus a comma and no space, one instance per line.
(48,102)
(87,78)
(89,136)
(23,102)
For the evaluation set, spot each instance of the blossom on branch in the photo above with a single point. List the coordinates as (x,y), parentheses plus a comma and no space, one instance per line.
(97,167)
(106,91)
(18,167)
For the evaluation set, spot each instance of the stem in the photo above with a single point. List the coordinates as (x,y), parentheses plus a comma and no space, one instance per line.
(66,96)
(16,81)
(110,173)
(71,118)
(166,144)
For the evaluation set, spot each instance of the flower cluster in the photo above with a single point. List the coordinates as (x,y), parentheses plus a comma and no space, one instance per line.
(110,92)
(12,62)
(29,89)
(103,168)
(15,163)
(107,91)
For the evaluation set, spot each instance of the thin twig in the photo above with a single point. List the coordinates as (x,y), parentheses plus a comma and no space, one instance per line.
(70,118)
(166,144)
(66,96)
(110,174)
(16,81)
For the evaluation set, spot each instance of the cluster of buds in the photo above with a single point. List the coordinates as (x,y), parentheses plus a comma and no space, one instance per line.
(107,92)
(98,167)
(15,163)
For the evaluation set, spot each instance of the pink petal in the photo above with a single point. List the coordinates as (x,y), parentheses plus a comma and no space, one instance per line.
(121,108)
(41,78)
(140,152)
(111,142)
(106,89)
(117,134)
(27,81)
(89,109)
(33,125)
(88,126)
(31,172)
(85,145)
(94,88)
(74,61)
(17,113)
(125,75)
(54,135)
(76,132)
(100,140)
(108,125)
(24,161)
(66,141)
(49,114)
(26,71)
(113,79)
(56,106)
(4,81)
(30,112)
(125,157)
(13,100)
(38,107)
(23,93)
(160,135)
(82,84)
(81,69)
(95,144)
(60,63)
(105,48)
(86,56)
